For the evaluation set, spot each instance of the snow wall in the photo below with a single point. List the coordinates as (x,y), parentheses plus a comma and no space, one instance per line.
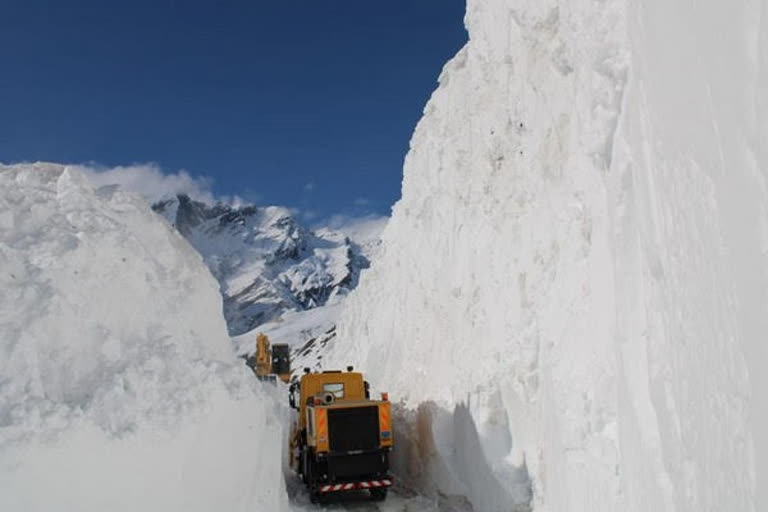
(118,386)
(571,299)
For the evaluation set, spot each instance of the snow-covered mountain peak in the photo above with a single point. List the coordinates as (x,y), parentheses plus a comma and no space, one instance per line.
(266,262)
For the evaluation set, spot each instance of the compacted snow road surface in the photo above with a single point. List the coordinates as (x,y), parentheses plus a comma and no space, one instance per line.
(398,500)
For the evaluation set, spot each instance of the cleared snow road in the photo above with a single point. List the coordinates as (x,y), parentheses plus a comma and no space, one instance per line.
(398,500)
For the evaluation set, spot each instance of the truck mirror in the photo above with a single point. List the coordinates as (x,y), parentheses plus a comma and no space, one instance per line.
(292,395)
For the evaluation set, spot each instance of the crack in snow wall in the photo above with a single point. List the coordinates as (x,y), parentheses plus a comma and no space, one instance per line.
(118,386)
(579,255)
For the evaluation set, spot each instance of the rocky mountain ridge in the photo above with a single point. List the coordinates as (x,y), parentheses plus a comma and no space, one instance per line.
(266,262)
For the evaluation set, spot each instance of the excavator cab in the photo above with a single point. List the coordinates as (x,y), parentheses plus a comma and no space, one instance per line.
(270,361)
(281,361)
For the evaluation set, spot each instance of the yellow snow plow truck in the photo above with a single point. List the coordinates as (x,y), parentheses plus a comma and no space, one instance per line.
(341,438)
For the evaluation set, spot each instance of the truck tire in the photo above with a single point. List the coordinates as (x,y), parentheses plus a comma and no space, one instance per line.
(315,496)
(303,466)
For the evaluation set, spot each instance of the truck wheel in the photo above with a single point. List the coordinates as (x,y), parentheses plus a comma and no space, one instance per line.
(310,477)
(303,466)
(379,494)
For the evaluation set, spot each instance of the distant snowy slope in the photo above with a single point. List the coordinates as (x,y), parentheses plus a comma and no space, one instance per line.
(307,332)
(266,262)
(575,279)
(118,386)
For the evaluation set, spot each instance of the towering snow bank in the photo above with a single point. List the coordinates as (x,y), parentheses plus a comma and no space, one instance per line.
(118,389)
(590,178)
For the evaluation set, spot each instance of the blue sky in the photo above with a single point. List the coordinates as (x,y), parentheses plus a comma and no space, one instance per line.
(299,103)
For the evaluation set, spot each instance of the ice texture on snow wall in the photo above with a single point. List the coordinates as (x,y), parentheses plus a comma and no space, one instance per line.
(579,260)
(118,386)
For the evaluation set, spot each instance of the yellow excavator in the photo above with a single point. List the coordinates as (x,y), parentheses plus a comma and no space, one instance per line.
(270,362)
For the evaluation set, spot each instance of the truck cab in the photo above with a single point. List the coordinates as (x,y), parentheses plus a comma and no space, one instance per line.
(342,438)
